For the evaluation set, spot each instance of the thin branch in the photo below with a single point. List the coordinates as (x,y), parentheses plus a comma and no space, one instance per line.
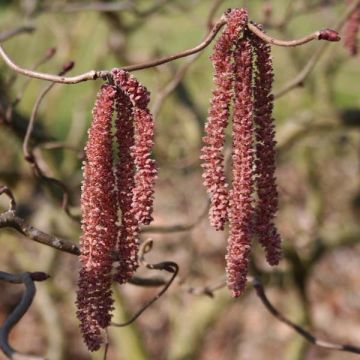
(304,333)
(27,279)
(9,219)
(91,6)
(326,34)
(168,266)
(28,153)
(93,75)
(6,35)
(177,227)
(207,290)
(5,190)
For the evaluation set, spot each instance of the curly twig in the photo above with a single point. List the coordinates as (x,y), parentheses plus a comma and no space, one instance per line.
(27,279)
(305,334)
(169,266)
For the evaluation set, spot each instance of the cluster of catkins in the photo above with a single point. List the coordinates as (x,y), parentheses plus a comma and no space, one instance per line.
(243,81)
(117,197)
(117,191)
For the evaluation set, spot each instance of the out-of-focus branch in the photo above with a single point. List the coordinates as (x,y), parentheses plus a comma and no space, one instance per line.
(177,227)
(207,290)
(167,89)
(8,34)
(309,66)
(27,279)
(97,6)
(28,153)
(304,333)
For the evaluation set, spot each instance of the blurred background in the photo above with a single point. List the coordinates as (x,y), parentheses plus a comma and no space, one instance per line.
(317,112)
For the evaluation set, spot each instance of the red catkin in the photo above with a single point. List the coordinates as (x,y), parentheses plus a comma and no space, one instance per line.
(127,246)
(241,207)
(265,153)
(99,217)
(212,151)
(145,176)
(351,30)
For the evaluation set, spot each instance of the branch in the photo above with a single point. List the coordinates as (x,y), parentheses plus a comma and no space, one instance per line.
(325,34)
(169,266)
(93,74)
(305,334)
(177,227)
(27,279)
(9,219)
(329,35)
(29,155)
(6,35)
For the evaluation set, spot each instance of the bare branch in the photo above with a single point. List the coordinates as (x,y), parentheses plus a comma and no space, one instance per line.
(27,279)
(177,227)
(304,333)
(5,190)
(6,35)
(91,6)
(9,219)
(326,34)
(168,266)
(28,153)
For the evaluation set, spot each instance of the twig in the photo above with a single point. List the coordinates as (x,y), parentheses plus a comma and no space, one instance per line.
(9,219)
(168,266)
(93,75)
(207,290)
(305,334)
(5,190)
(326,34)
(91,6)
(6,35)
(177,227)
(49,53)
(181,71)
(27,279)
(28,153)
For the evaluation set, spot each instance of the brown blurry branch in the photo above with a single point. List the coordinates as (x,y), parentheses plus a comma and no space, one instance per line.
(8,34)
(93,75)
(304,333)
(27,279)
(97,6)
(177,227)
(29,154)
